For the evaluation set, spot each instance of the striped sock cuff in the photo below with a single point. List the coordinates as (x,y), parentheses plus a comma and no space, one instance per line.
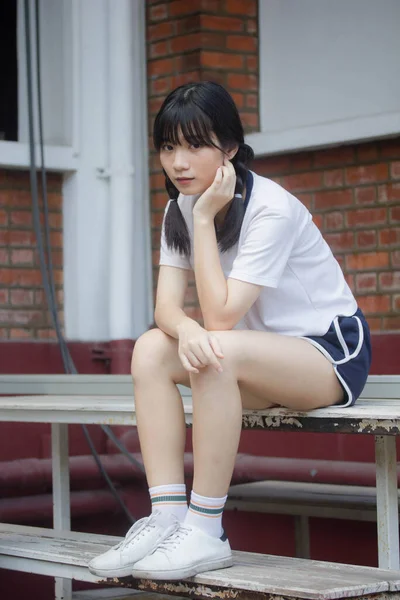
(168,494)
(207,507)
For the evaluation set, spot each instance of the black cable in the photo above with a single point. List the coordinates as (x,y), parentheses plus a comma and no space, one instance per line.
(46,268)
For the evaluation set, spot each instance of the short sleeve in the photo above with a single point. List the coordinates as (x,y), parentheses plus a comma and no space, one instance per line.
(265,250)
(168,256)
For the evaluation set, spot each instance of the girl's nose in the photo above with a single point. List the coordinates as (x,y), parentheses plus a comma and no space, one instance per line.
(180,160)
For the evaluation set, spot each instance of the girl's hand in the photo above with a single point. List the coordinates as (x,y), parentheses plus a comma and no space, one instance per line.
(220,192)
(198,348)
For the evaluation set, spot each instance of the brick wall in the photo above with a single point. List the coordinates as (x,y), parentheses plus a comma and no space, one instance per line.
(23,311)
(199,40)
(352,191)
(354,194)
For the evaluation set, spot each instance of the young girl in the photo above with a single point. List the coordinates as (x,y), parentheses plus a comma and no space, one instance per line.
(281,327)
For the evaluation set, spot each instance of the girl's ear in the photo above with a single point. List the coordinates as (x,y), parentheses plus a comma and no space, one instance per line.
(232,153)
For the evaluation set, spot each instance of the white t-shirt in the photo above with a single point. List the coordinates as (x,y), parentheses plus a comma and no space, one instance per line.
(282,250)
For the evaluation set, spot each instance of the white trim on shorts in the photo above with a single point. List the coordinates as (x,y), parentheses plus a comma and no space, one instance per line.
(347,355)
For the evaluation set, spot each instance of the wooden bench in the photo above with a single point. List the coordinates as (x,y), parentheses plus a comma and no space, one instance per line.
(60,400)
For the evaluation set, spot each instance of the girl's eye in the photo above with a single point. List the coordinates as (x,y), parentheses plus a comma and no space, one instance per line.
(167,147)
(196,146)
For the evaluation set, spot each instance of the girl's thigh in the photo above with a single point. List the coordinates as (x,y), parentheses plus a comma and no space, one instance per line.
(274,369)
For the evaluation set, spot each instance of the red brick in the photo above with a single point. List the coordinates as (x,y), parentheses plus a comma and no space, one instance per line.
(160,31)
(252,63)
(161,86)
(3,296)
(395,256)
(391,323)
(332,199)
(189,24)
(157,218)
(333,178)
(367,216)
(241,43)
(318,220)
(365,195)
(340,242)
(238,99)
(154,106)
(4,334)
(366,239)
(349,277)
(185,78)
(390,148)
(19,257)
(252,100)
(212,40)
(303,181)
(159,200)
(22,297)
(252,26)
(394,214)
(158,49)
(56,239)
(396,303)
(182,7)
(301,161)
(367,152)
(249,120)
(221,60)
(271,165)
(334,220)
(374,304)
(367,260)
(21,317)
(395,170)
(387,237)
(163,66)
(366,282)
(237,81)
(4,257)
(241,7)
(367,174)
(159,12)
(343,155)
(389,192)
(375,323)
(24,277)
(211,6)
(20,334)
(183,43)
(46,334)
(3,217)
(306,199)
(22,217)
(157,181)
(217,23)
(389,281)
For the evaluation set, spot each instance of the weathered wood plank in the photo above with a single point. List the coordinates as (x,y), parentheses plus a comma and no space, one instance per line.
(365,417)
(253,575)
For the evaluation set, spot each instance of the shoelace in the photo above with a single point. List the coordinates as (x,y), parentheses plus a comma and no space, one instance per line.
(137,530)
(174,539)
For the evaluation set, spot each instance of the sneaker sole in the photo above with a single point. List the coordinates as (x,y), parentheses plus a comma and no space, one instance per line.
(109,574)
(191,571)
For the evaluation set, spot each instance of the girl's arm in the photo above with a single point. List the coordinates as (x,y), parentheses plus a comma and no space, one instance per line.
(171,290)
(223,302)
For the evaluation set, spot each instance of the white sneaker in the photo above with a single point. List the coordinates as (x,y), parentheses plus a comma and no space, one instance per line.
(141,539)
(185,552)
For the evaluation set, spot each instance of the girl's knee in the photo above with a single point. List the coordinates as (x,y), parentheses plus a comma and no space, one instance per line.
(150,352)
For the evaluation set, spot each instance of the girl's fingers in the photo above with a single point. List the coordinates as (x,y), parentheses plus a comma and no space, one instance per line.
(194,361)
(216,346)
(211,357)
(186,364)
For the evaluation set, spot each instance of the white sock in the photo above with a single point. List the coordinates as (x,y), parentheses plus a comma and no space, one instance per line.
(169,499)
(206,514)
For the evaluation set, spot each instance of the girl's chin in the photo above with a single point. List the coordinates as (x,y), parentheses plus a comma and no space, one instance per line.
(190,189)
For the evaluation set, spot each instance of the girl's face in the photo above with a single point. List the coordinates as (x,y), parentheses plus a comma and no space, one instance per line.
(191,167)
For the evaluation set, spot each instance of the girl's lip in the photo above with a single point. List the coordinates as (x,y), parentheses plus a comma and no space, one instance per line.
(182,179)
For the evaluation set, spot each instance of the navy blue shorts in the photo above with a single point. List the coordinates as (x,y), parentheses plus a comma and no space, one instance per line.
(347,345)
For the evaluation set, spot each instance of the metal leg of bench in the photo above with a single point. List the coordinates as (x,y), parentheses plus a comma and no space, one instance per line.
(387,502)
(61,498)
(302,535)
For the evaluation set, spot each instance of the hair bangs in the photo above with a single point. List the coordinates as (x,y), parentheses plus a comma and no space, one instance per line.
(185,119)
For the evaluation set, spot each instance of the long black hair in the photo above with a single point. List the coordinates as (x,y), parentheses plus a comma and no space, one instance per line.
(199,110)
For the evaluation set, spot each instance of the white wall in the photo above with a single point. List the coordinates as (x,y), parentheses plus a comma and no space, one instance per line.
(329,72)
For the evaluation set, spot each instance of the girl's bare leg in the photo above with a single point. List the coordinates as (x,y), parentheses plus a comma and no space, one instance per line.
(156,369)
